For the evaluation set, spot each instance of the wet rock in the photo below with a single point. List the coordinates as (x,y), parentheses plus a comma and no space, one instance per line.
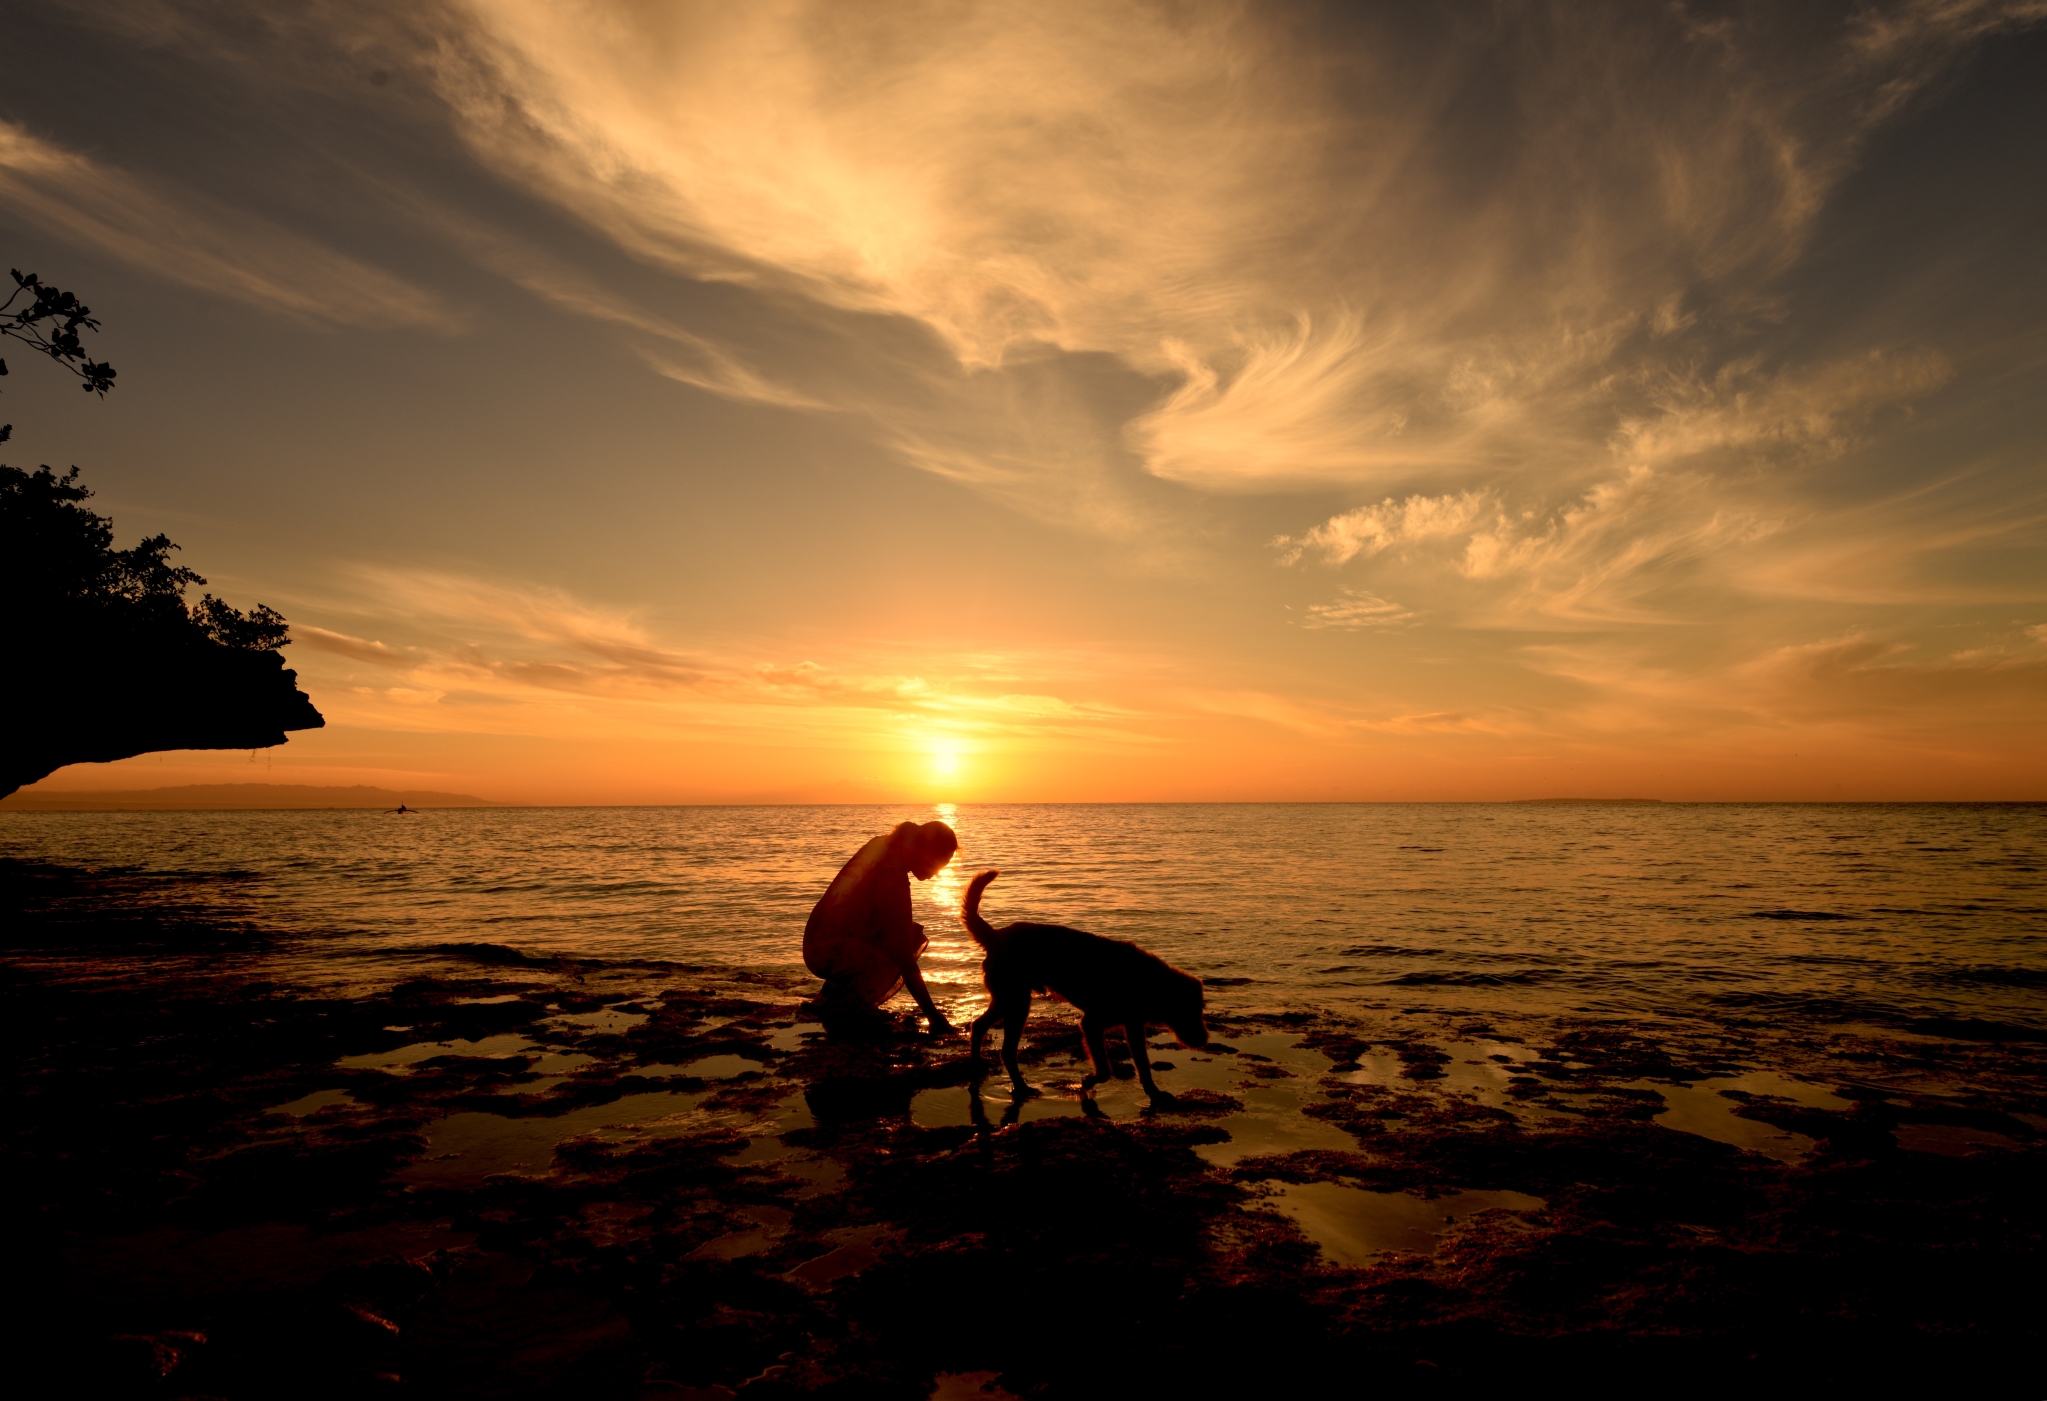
(845,1099)
(1419,1060)
(1202,1104)
(135,1362)
(498,1324)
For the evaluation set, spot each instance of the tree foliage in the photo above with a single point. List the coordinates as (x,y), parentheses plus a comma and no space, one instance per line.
(59,562)
(49,323)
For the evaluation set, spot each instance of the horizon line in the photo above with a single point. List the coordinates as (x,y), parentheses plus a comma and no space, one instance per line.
(113,805)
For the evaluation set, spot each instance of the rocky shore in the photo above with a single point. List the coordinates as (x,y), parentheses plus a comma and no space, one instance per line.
(252,1166)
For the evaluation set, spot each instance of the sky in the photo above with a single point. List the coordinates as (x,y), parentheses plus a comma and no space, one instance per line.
(670,402)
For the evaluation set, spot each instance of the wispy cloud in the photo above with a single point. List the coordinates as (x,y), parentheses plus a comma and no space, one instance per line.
(1590,558)
(502,655)
(611,646)
(669,348)
(1369,529)
(359,649)
(1865,677)
(1697,472)
(188,239)
(1196,195)
(1354,610)
(1204,248)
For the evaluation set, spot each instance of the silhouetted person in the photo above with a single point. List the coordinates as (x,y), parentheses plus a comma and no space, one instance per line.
(861,939)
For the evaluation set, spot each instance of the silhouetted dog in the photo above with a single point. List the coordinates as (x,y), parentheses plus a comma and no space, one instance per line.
(1112,982)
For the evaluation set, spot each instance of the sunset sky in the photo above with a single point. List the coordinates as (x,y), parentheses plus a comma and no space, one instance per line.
(667,402)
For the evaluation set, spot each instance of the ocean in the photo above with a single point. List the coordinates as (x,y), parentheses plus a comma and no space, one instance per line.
(1794,916)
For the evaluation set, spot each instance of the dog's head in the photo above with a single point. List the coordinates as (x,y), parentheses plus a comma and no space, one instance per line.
(1183,1014)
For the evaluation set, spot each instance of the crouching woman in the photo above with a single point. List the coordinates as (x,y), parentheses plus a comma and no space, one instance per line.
(861,938)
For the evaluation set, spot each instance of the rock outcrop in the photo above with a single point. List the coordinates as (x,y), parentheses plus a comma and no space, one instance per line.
(101,657)
(91,700)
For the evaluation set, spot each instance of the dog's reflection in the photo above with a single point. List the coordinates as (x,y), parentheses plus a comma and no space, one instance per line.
(977,1109)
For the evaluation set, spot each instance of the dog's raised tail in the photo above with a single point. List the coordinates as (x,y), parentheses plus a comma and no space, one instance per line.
(970,910)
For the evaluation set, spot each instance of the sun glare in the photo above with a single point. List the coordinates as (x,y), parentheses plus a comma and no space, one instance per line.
(945,763)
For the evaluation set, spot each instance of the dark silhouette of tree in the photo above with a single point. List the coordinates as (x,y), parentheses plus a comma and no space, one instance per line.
(49,324)
(57,560)
(104,657)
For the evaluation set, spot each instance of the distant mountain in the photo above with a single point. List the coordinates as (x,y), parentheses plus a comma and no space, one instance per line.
(217,797)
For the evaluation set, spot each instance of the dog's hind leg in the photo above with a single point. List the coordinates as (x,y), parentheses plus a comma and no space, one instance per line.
(1012,1014)
(1141,1054)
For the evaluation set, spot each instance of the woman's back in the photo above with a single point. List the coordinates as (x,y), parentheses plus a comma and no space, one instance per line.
(868,896)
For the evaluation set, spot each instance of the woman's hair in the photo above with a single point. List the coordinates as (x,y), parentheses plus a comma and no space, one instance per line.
(931,837)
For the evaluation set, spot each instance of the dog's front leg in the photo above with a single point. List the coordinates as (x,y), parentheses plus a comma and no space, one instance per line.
(978,1034)
(1099,1064)
(1141,1053)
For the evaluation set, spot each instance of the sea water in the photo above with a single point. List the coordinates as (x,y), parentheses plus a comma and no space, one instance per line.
(1823,914)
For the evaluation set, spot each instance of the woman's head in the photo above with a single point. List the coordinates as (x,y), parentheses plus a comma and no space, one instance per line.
(931,845)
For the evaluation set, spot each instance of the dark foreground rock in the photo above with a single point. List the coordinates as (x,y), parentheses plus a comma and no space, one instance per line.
(246,1168)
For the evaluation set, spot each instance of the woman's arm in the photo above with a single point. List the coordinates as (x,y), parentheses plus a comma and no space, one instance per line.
(913,979)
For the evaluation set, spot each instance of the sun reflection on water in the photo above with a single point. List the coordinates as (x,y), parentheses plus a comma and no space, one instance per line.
(952,962)
(945,890)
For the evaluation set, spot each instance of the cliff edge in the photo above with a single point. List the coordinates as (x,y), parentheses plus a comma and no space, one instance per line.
(95,704)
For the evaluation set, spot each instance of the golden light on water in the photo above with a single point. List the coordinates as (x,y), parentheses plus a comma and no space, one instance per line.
(952,958)
(948,887)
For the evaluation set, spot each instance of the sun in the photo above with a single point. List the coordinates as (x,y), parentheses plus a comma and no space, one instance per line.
(946,763)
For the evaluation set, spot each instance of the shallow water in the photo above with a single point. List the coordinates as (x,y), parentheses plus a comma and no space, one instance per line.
(463,1149)
(770,1223)
(1703,1109)
(1822,914)
(1356,1226)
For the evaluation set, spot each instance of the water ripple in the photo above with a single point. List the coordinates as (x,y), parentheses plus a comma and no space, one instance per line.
(1907,914)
